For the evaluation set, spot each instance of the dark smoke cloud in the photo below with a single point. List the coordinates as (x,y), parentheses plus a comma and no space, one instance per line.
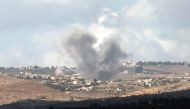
(100,64)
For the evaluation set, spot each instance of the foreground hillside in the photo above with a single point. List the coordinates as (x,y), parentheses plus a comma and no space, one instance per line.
(170,100)
(13,89)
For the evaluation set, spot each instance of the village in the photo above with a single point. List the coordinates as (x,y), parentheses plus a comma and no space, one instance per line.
(69,80)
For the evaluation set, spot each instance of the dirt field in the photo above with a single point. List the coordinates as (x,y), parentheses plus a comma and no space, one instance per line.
(169,68)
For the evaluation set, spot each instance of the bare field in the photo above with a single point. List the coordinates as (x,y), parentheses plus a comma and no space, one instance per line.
(169,68)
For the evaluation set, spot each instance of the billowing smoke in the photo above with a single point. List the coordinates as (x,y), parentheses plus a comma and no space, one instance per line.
(92,63)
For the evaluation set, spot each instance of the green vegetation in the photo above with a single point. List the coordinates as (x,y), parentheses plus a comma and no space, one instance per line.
(161,63)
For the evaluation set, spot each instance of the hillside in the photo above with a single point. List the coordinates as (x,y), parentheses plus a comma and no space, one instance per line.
(170,100)
(13,89)
(163,89)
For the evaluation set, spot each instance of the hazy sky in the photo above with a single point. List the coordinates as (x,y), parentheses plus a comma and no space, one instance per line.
(31,31)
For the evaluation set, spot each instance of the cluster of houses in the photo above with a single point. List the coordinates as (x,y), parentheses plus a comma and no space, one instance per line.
(69,82)
(145,82)
(151,82)
(30,75)
(131,67)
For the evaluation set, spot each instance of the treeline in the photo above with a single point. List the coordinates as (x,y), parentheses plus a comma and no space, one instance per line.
(32,69)
(143,63)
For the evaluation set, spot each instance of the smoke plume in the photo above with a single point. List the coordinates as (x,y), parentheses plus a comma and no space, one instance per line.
(92,63)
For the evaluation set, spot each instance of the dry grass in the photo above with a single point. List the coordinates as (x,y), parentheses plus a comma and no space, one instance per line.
(13,89)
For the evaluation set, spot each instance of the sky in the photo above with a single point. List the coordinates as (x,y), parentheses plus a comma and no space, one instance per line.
(32,31)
